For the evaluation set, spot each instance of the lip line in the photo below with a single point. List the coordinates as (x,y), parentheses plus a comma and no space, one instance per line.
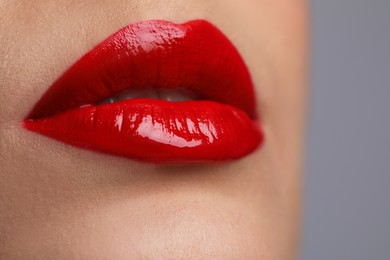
(246,92)
(162,55)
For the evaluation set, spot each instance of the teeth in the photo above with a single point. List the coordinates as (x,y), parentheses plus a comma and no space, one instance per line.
(136,94)
(175,95)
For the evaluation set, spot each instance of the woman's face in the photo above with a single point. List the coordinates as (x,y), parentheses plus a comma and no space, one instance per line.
(59,201)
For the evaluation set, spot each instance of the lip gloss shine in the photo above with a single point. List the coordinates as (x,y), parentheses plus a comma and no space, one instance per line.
(155,55)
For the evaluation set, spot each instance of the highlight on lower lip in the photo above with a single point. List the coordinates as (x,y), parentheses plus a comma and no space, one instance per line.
(155,91)
(156,130)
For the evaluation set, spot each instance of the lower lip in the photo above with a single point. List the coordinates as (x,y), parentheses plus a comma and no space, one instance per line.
(156,130)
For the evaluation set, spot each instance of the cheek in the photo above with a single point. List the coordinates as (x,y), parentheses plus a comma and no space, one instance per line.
(272,37)
(274,34)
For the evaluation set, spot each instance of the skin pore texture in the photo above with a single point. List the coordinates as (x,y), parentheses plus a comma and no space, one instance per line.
(62,202)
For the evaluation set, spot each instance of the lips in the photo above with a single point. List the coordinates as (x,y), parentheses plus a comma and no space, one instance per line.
(155,91)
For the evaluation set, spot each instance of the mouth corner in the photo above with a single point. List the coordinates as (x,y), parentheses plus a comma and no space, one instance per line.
(110,99)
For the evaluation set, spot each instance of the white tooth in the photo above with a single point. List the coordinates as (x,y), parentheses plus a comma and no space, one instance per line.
(148,93)
(106,101)
(124,96)
(175,95)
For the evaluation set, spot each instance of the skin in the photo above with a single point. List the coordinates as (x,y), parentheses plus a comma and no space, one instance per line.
(61,202)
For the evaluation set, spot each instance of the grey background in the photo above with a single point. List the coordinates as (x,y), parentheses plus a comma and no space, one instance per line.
(348,157)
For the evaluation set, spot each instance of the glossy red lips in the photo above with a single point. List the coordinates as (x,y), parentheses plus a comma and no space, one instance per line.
(155,56)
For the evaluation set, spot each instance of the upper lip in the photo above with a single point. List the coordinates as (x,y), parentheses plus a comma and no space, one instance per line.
(174,61)
(195,57)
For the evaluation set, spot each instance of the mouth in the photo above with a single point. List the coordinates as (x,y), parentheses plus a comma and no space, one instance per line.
(158,92)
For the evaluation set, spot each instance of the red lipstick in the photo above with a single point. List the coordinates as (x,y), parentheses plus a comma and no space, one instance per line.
(112,99)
